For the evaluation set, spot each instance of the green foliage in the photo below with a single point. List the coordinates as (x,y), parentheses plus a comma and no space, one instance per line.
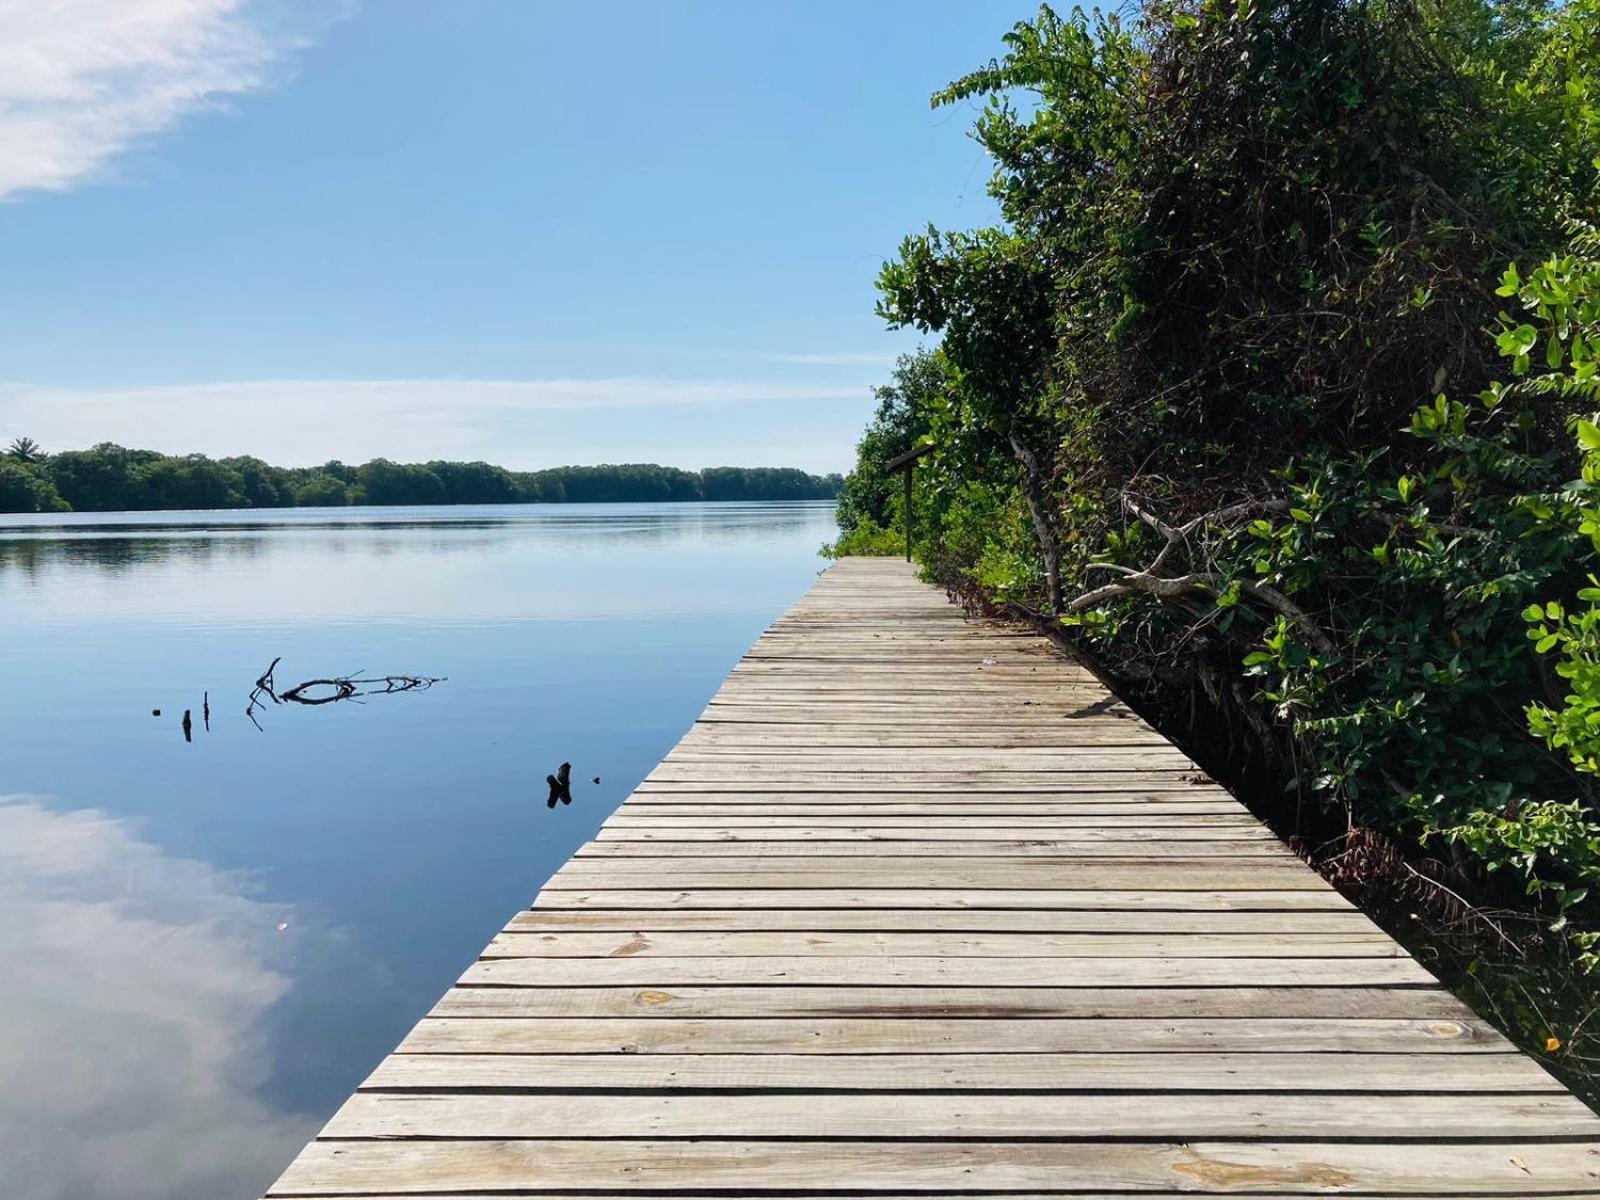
(870,492)
(869,538)
(1420,576)
(193,481)
(319,490)
(1229,370)
(110,478)
(24,490)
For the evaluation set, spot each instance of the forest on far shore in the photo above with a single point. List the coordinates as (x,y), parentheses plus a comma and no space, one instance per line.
(111,478)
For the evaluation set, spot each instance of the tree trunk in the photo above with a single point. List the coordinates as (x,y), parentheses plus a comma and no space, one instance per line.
(1038,508)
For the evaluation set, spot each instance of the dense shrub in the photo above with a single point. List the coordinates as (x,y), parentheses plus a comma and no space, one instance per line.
(1231,393)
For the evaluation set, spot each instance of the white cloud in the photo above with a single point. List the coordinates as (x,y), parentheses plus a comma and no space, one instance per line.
(80,80)
(299,421)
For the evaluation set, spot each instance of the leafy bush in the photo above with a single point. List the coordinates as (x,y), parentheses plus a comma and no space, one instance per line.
(867,538)
(1228,394)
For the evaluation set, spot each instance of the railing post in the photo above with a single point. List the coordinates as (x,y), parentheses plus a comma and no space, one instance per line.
(910,467)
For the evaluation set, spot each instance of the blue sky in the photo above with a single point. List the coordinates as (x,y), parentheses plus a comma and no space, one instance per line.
(530,232)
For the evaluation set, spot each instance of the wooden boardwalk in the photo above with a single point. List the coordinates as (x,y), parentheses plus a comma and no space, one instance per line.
(917,908)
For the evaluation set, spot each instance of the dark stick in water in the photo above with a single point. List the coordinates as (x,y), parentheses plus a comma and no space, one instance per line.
(560,785)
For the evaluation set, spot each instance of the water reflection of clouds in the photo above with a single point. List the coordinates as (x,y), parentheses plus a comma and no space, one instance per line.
(132,991)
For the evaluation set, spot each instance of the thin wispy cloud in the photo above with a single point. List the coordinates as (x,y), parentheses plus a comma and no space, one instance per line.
(835,360)
(406,394)
(308,420)
(83,80)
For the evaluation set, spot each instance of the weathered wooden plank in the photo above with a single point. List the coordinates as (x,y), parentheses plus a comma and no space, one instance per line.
(954,1115)
(1487,1167)
(889,761)
(749,739)
(1130,865)
(1177,1072)
(670,1194)
(1254,924)
(932,1036)
(1080,1018)
(1107,783)
(1038,848)
(826,944)
(889,873)
(624,843)
(971,811)
(1038,824)
(678,897)
(1224,828)
(942,840)
(932,779)
(822,970)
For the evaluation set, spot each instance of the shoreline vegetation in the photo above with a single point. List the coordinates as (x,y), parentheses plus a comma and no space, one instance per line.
(111,478)
(1274,396)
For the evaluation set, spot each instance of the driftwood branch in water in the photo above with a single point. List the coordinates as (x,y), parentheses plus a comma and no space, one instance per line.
(264,687)
(332,690)
(345,687)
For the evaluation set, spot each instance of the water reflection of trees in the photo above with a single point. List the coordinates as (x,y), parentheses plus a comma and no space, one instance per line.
(116,548)
(31,556)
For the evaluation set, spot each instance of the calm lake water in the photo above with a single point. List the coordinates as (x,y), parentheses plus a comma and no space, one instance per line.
(205,945)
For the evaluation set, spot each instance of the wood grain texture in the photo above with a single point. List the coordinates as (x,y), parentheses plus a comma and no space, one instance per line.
(917,909)
(1492,1167)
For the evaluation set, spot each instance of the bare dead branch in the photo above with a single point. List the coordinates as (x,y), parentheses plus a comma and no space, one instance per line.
(1151,582)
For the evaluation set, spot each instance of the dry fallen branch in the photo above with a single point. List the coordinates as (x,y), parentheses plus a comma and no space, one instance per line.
(1150,582)
(1177,535)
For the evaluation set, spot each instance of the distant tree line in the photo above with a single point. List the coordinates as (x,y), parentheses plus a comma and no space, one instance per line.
(111,478)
